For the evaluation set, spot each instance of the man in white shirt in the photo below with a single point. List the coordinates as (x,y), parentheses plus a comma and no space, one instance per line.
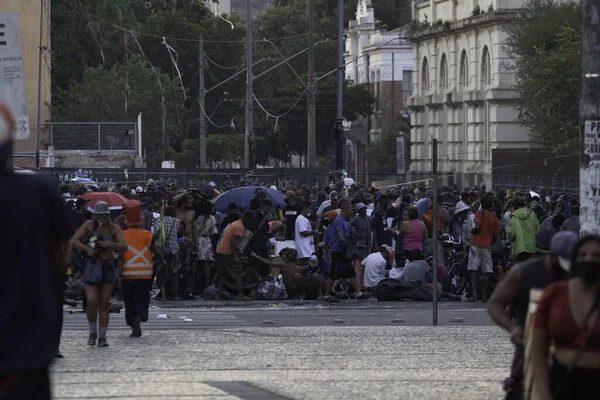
(304,237)
(375,266)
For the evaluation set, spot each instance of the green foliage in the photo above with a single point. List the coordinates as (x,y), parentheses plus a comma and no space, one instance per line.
(100,95)
(549,82)
(548,71)
(94,60)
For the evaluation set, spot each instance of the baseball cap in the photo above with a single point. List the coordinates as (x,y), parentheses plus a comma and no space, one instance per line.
(561,245)
(330,215)
(313,261)
(7,128)
(359,206)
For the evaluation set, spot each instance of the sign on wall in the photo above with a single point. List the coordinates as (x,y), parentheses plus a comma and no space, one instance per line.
(592,138)
(12,73)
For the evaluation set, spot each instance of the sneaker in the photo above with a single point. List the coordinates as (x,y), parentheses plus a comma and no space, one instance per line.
(92,339)
(136,329)
(102,342)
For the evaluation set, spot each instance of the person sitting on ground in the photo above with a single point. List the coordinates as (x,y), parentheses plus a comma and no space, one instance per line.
(297,280)
(376,265)
(397,271)
(417,268)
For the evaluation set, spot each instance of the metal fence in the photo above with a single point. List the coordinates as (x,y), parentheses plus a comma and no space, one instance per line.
(92,136)
(280,177)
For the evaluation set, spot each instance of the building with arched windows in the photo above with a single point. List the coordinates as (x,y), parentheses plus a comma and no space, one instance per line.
(462,88)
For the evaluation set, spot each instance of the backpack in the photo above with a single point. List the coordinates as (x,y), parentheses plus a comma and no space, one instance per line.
(270,288)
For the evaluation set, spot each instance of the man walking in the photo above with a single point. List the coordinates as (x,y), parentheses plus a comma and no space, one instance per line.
(514,289)
(32,267)
(136,273)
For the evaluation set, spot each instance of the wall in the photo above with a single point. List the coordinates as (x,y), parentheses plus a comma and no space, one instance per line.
(29,16)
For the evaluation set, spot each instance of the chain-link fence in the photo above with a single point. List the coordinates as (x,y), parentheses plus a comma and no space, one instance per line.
(280,177)
(92,136)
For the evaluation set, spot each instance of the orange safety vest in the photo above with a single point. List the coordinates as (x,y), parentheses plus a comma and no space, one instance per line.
(138,257)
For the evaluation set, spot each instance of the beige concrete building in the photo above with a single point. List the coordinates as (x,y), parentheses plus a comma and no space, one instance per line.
(29,16)
(463,88)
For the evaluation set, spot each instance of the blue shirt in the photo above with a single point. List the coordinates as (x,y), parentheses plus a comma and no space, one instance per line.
(423,206)
(339,225)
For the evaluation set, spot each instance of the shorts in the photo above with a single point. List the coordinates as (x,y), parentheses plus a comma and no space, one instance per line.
(480,259)
(340,267)
(229,264)
(302,262)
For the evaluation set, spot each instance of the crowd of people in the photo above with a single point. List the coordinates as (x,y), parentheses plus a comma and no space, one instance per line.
(357,235)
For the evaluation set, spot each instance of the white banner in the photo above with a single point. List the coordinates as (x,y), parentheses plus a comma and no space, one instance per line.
(12,73)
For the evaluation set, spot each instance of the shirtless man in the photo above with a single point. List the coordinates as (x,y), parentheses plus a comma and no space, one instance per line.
(185,213)
(297,280)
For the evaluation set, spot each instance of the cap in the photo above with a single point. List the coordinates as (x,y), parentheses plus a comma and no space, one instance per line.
(330,215)
(7,128)
(273,187)
(460,207)
(133,213)
(211,184)
(359,206)
(561,245)
(101,207)
(139,189)
(482,185)
(313,261)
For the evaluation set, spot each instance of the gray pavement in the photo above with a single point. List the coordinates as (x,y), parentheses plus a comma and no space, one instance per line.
(228,353)
(287,313)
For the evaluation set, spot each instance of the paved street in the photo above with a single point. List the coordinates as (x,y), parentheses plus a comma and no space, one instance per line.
(279,351)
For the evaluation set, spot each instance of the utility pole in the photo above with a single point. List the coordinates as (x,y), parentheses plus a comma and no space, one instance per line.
(38,134)
(434,160)
(201,100)
(249,132)
(311,148)
(589,170)
(340,142)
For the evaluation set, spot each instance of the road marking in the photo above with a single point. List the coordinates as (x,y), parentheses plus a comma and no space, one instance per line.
(246,391)
(201,320)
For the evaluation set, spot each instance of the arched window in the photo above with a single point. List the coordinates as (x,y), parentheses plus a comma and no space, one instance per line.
(463,72)
(443,73)
(486,68)
(424,76)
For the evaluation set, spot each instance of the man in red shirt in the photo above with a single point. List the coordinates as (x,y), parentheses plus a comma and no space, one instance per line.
(484,233)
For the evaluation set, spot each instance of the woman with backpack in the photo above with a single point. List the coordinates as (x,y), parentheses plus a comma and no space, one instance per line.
(100,241)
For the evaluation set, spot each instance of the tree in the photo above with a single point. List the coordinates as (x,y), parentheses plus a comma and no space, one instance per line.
(548,71)
(101,96)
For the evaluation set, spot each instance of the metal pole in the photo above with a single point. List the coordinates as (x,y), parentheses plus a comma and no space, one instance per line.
(249,131)
(434,143)
(39,91)
(311,143)
(99,143)
(140,137)
(340,143)
(202,110)
(589,170)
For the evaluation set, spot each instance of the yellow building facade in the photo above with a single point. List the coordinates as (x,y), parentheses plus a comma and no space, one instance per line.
(29,19)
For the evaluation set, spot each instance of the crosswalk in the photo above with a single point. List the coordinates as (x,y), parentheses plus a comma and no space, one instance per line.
(162,320)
